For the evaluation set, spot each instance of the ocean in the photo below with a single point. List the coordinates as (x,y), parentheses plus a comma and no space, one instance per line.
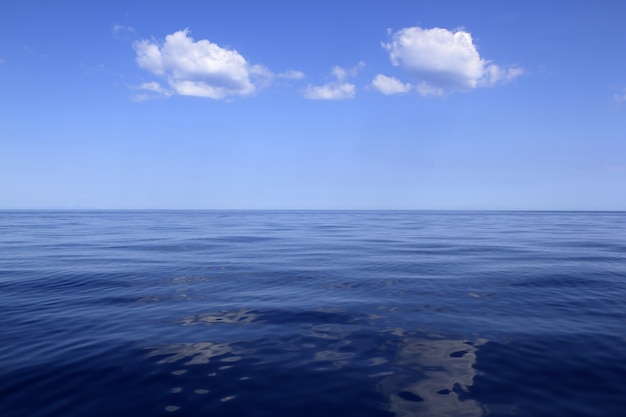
(312,313)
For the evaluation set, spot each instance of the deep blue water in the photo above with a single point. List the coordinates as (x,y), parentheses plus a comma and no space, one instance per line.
(237,313)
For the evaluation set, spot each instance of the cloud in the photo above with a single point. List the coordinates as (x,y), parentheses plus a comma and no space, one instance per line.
(336,90)
(498,75)
(426,89)
(330,91)
(123,32)
(151,90)
(444,61)
(200,68)
(390,85)
(343,73)
(291,75)
(621,96)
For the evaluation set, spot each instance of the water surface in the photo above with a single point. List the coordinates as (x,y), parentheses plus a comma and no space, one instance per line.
(347,313)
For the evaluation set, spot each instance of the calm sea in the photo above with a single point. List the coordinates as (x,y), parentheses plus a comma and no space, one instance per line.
(322,313)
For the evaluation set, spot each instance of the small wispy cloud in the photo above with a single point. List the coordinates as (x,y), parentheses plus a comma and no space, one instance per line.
(427,89)
(291,75)
(123,32)
(330,91)
(390,85)
(339,89)
(620,97)
(2,61)
(343,73)
(151,90)
(200,68)
(442,61)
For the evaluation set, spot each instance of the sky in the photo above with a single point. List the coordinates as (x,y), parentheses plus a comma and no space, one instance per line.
(410,105)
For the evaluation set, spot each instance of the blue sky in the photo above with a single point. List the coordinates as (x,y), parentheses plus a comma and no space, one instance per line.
(313,105)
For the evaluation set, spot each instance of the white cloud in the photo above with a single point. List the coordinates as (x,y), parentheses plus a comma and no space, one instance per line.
(330,91)
(151,90)
(123,32)
(336,90)
(426,89)
(340,73)
(390,85)
(291,75)
(343,73)
(201,68)
(443,61)
(495,75)
(155,87)
(141,97)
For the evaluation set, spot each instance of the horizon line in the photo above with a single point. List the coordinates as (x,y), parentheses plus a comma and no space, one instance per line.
(310,209)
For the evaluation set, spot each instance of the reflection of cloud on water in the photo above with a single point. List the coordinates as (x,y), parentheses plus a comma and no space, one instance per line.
(419,374)
(225,316)
(432,373)
(197,353)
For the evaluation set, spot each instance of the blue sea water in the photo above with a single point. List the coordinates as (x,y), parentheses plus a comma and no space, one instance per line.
(312,313)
